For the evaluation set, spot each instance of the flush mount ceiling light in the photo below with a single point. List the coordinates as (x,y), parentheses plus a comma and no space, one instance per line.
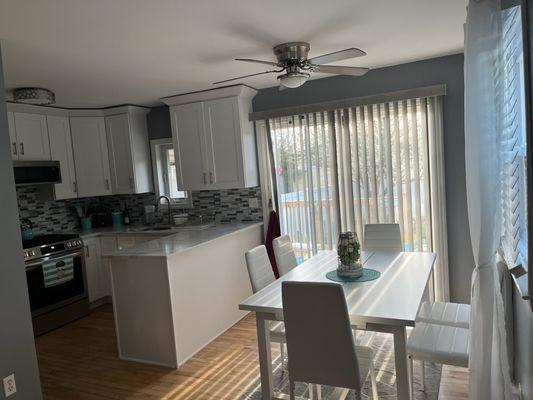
(34,95)
(293,80)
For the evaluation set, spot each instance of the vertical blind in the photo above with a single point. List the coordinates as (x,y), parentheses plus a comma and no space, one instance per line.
(510,83)
(339,170)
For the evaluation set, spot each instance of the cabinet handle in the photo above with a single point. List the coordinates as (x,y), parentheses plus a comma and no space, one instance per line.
(22,148)
(14,148)
(75,187)
(205,178)
(87,254)
(210,177)
(107,184)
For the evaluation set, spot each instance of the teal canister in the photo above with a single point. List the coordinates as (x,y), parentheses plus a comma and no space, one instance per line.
(86,223)
(26,229)
(117,219)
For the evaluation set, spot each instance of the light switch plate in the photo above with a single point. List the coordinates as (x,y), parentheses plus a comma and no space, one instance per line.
(10,387)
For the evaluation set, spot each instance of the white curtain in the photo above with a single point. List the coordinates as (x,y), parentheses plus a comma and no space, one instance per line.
(489,365)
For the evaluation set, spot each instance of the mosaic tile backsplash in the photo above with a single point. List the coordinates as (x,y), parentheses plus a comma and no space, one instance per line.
(54,216)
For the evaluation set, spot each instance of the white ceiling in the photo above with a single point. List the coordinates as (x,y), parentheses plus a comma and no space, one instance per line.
(96,53)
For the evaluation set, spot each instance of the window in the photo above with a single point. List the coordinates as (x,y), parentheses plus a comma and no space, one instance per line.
(513,141)
(165,172)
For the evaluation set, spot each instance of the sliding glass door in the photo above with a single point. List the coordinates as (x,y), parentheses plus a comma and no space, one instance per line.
(339,170)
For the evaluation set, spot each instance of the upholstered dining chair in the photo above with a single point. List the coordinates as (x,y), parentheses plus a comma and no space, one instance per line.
(320,342)
(261,275)
(382,237)
(284,253)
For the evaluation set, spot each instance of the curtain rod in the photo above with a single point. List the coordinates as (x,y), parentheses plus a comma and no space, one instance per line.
(427,91)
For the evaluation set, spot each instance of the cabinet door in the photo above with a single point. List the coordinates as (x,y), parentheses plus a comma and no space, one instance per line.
(12,135)
(32,137)
(120,154)
(189,144)
(93,268)
(90,154)
(224,149)
(61,150)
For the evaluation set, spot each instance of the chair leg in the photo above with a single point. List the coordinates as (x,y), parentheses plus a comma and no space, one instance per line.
(282,354)
(291,390)
(423,376)
(411,378)
(310,386)
(319,392)
(373,380)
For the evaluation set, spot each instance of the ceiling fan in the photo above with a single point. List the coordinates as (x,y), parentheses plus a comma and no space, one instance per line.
(297,68)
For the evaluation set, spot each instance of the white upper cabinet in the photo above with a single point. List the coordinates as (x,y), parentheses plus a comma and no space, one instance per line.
(189,144)
(12,135)
(91,156)
(224,151)
(29,137)
(120,159)
(61,150)
(213,138)
(129,152)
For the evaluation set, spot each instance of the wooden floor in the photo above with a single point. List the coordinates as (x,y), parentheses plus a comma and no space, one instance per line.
(79,361)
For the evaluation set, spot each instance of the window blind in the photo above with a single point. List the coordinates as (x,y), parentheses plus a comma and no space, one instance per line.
(510,82)
(340,169)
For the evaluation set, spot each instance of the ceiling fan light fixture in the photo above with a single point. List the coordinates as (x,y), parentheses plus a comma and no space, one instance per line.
(293,80)
(34,95)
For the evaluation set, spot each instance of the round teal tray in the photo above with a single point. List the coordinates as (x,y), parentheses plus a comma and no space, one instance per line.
(368,275)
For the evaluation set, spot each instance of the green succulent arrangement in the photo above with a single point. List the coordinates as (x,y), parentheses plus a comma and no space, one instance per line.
(349,253)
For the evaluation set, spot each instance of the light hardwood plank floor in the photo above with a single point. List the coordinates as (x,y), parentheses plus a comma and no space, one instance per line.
(79,361)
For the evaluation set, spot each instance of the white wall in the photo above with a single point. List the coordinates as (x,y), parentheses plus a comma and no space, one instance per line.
(17,347)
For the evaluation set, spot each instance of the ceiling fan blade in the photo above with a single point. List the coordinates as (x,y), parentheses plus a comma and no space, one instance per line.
(244,76)
(337,56)
(251,60)
(341,70)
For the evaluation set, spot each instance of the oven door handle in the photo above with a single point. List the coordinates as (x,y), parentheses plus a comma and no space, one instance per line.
(38,263)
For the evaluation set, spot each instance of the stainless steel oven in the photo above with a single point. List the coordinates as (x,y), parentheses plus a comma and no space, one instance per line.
(55,305)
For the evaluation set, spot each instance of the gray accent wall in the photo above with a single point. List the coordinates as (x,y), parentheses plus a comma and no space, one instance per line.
(447,70)
(17,347)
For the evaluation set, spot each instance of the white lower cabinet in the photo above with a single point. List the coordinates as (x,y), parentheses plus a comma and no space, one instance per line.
(93,268)
(98,260)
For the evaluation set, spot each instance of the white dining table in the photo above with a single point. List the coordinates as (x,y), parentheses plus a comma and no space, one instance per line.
(388,304)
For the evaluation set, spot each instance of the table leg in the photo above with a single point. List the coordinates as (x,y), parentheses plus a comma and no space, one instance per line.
(400,359)
(265,359)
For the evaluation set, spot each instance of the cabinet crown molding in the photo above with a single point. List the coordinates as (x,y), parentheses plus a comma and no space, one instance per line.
(242,91)
(75,112)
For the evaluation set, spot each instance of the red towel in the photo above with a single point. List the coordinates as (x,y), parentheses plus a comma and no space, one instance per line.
(272,233)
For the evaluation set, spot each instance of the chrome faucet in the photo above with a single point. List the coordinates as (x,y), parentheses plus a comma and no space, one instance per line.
(158,204)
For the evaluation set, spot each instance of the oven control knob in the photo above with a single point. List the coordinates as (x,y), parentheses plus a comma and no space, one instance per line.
(68,245)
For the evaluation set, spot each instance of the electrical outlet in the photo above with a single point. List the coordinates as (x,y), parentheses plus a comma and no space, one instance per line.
(253,202)
(10,387)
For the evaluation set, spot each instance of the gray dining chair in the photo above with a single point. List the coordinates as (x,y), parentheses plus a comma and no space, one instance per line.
(320,342)
(284,253)
(382,237)
(261,275)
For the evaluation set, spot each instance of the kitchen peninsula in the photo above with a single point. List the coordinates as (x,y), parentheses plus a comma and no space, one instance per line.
(173,295)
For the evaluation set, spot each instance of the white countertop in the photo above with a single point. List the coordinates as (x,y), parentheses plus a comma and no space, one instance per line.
(140,230)
(179,241)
